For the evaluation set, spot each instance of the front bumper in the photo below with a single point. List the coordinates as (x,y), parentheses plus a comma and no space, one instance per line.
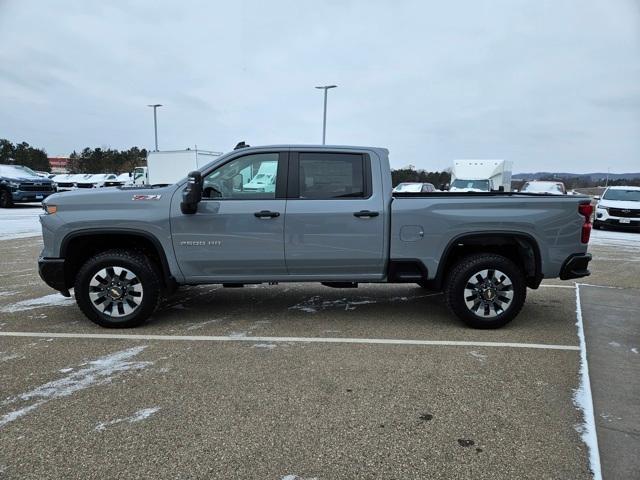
(23,196)
(603,218)
(52,271)
(576,266)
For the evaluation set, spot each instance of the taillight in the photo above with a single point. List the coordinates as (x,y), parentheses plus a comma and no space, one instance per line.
(586,209)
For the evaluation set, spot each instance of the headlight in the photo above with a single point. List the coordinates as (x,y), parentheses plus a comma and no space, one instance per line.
(13,184)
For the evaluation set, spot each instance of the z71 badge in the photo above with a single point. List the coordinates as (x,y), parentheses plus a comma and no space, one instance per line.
(146,197)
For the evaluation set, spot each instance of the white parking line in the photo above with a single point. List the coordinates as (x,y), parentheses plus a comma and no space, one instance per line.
(368,341)
(584,399)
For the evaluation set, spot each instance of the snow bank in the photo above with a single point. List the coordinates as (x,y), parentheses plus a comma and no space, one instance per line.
(616,239)
(20,222)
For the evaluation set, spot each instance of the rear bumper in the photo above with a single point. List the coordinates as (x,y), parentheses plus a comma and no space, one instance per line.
(576,266)
(51,270)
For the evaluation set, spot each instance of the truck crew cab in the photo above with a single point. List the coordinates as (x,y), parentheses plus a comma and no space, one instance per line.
(331,218)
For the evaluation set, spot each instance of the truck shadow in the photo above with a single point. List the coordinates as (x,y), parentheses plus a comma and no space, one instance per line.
(303,303)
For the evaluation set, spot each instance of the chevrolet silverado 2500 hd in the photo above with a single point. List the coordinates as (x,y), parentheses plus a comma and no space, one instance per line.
(331,218)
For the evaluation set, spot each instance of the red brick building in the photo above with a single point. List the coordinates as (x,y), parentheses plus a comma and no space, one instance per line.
(59,164)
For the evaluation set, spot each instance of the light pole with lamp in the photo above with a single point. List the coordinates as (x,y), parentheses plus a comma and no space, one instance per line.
(155,121)
(324,116)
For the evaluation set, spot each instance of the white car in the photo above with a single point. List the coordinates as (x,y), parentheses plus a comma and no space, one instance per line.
(96,180)
(553,188)
(414,187)
(618,207)
(68,181)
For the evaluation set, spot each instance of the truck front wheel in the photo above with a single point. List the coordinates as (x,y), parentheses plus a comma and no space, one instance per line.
(485,290)
(118,289)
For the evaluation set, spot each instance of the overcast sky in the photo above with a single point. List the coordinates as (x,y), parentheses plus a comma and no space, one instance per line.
(550,85)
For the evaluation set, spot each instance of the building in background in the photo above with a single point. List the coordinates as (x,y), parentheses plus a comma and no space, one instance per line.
(59,164)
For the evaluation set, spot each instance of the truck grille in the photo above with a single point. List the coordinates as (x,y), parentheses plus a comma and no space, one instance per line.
(65,184)
(32,187)
(624,212)
(85,185)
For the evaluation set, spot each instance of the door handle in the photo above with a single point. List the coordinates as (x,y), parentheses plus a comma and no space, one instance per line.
(366,214)
(267,214)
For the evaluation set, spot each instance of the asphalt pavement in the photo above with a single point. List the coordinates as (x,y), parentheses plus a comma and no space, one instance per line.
(303,381)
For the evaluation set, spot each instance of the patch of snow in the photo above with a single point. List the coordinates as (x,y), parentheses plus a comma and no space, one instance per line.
(20,222)
(11,356)
(203,324)
(65,370)
(51,300)
(97,372)
(584,401)
(634,350)
(8,293)
(268,346)
(238,334)
(478,355)
(136,417)
(614,344)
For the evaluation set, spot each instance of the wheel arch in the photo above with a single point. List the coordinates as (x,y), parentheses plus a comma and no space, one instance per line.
(77,247)
(521,248)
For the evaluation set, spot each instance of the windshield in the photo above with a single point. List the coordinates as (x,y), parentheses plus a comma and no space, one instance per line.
(16,171)
(474,184)
(624,195)
(542,187)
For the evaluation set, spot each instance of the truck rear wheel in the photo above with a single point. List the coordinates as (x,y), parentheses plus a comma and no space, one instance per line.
(118,289)
(485,290)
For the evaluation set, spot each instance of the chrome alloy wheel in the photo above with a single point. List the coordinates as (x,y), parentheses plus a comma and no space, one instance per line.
(115,291)
(488,293)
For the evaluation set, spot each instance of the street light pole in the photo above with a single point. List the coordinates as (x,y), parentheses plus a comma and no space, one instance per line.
(155,121)
(324,116)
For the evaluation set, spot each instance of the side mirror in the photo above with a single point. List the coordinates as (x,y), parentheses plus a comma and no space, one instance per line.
(192,194)
(597,197)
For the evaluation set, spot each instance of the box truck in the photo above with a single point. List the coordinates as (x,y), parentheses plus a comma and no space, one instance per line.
(480,175)
(166,168)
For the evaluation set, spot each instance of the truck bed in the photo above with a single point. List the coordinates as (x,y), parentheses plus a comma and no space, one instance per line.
(425,225)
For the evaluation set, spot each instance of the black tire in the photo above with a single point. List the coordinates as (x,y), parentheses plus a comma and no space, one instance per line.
(6,200)
(597,225)
(489,290)
(95,281)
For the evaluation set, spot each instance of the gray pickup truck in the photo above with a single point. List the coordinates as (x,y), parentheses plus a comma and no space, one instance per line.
(290,213)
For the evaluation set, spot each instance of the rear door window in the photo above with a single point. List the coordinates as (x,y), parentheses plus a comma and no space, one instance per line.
(327,176)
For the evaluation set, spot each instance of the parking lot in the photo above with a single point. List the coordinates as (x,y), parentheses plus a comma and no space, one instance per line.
(303,381)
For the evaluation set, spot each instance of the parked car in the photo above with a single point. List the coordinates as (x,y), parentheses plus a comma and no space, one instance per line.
(415,187)
(67,181)
(551,188)
(20,184)
(97,180)
(119,181)
(618,207)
